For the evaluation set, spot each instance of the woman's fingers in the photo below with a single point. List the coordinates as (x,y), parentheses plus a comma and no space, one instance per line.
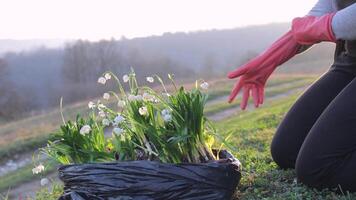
(245,96)
(256,90)
(255,95)
(238,72)
(235,90)
(261,91)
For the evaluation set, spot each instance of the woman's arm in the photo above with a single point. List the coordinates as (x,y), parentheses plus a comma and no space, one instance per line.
(344,23)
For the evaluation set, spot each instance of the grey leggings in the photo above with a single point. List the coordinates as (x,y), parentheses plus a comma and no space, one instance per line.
(318,135)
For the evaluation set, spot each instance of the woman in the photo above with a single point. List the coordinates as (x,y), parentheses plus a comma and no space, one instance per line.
(318,135)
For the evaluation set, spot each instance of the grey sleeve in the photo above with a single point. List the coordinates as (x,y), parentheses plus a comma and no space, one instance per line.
(322,7)
(344,23)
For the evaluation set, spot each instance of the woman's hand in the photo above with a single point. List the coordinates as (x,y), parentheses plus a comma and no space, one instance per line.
(254,74)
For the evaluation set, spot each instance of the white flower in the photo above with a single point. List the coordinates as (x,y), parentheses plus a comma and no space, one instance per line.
(106,122)
(91,105)
(101,106)
(38,169)
(166,94)
(150,79)
(143,110)
(102,113)
(106,96)
(125,78)
(167,118)
(118,130)
(44,181)
(118,119)
(107,76)
(204,85)
(165,112)
(102,80)
(121,103)
(85,130)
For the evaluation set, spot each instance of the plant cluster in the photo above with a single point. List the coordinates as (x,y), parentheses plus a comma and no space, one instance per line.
(145,124)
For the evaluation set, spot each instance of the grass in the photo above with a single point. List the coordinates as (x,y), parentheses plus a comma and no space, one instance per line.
(30,133)
(41,133)
(223,87)
(252,135)
(271,91)
(23,174)
(50,193)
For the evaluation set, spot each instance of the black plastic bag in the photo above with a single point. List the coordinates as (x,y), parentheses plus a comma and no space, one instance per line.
(151,180)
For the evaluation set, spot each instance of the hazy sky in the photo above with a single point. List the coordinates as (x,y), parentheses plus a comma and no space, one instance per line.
(96,19)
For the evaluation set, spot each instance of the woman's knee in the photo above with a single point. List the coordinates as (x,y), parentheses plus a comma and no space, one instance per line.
(280,154)
(309,171)
(304,175)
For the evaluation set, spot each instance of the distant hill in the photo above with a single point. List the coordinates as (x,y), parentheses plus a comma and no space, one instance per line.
(9,45)
(221,50)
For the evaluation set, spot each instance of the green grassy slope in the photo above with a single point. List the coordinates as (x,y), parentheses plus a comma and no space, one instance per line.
(252,135)
(252,132)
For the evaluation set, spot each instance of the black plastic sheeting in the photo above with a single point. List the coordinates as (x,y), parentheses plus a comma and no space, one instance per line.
(151,180)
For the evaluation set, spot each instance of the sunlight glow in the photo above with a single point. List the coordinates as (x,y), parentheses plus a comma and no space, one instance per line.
(96,19)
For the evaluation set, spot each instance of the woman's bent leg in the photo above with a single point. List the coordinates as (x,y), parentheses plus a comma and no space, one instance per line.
(303,114)
(327,158)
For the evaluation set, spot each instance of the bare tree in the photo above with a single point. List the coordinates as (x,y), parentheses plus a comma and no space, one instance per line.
(11,103)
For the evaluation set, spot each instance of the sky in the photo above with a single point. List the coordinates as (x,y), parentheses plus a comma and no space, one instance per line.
(104,19)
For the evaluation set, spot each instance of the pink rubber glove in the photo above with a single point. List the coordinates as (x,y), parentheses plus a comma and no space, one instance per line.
(255,73)
(310,29)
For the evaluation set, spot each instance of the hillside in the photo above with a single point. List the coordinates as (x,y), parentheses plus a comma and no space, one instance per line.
(71,71)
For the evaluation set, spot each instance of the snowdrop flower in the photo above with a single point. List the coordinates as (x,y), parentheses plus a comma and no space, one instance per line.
(106,122)
(165,112)
(91,105)
(107,76)
(85,130)
(167,118)
(44,181)
(143,111)
(102,113)
(101,106)
(150,79)
(204,85)
(102,80)
(125,78)
(38,169)
(118,119)
(121,103)
(118,130)
(106,96)
(166,94)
